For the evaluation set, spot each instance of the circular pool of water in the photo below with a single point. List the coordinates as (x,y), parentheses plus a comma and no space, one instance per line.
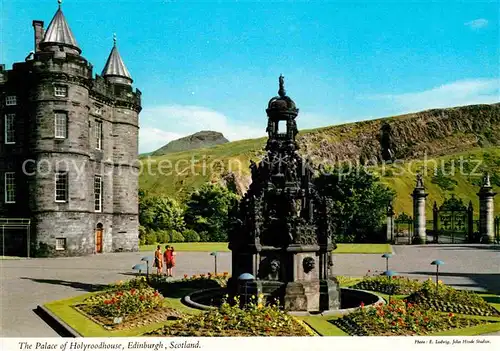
(350,299)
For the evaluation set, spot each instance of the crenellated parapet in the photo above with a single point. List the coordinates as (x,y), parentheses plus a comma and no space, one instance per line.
(116,95)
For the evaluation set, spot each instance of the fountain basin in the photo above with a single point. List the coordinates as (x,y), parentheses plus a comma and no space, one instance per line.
(350,300)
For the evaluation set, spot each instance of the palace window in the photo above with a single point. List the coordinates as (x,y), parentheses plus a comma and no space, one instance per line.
(98,134)
(61,182)
(10,187)
(60,91)
(60,244)
(98,193)
(98,110)
(61,125)
(11,100)
(10,128)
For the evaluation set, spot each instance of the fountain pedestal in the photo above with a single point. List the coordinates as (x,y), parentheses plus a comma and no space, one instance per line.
(281,230)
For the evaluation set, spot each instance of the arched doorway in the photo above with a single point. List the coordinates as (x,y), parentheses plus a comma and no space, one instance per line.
(98,237)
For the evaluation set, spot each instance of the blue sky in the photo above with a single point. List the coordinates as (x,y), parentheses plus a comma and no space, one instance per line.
(215,64)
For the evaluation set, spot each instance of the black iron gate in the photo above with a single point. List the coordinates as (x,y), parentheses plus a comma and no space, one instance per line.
(403,229)
(453,222)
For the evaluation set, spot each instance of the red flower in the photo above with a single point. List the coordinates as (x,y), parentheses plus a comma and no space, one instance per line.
(451,315)
(362,304)
(226,318)
(156,293)
(141,298)
(393,323)
(107,302)
(132,291)
(185,276)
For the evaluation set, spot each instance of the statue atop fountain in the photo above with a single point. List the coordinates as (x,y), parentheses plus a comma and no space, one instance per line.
(281,231)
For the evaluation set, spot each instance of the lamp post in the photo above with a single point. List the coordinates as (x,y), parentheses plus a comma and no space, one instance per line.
(387,256)
(245,277)
(215,254)
(437,263)
(390,274)
(138,267)
(147,259)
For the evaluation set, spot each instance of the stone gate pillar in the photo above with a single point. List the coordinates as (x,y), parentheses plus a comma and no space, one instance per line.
(419,221)
(486,211)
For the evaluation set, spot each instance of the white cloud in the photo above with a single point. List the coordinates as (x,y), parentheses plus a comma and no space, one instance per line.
(477,23)
(311,120)
(464,92)
(162,124)
(151,139)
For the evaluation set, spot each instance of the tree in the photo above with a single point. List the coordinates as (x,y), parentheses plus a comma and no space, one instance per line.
(207,211)
(359,202)
(160,213)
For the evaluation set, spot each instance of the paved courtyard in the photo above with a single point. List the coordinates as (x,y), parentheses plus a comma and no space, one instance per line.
(26,283)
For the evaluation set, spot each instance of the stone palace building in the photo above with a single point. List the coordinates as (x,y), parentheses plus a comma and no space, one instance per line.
(68,150)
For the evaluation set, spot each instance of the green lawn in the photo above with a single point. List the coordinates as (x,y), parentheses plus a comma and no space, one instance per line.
(363,249)
(209,247)
(203,247)
(63,309)
(321,324)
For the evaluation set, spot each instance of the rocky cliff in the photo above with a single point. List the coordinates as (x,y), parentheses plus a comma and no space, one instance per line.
(433,133)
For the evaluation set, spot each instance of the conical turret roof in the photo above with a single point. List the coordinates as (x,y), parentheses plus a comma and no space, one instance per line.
(115,66)
(59,32)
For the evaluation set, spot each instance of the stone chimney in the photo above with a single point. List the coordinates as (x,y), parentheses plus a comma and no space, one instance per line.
(39,33)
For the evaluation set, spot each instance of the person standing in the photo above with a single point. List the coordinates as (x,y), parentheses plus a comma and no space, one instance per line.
(170,260)
(158,263)
(166,259)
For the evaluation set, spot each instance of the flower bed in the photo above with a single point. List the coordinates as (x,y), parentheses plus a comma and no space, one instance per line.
(400,318)
(255,320)
(188,284)
(124,309)
(447,299)
(136,283)
(388,285)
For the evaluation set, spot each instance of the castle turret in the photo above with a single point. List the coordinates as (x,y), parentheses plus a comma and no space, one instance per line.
(58,36)
(125,151)
(71,148)
(115,70)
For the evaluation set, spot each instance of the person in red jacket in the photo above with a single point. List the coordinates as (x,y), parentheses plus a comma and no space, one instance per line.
(169,256)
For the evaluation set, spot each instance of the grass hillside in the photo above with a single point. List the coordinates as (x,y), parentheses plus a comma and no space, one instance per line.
(199,140)
(442,138)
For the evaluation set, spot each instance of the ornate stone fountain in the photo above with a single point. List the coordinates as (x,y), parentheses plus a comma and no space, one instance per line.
(281,231)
